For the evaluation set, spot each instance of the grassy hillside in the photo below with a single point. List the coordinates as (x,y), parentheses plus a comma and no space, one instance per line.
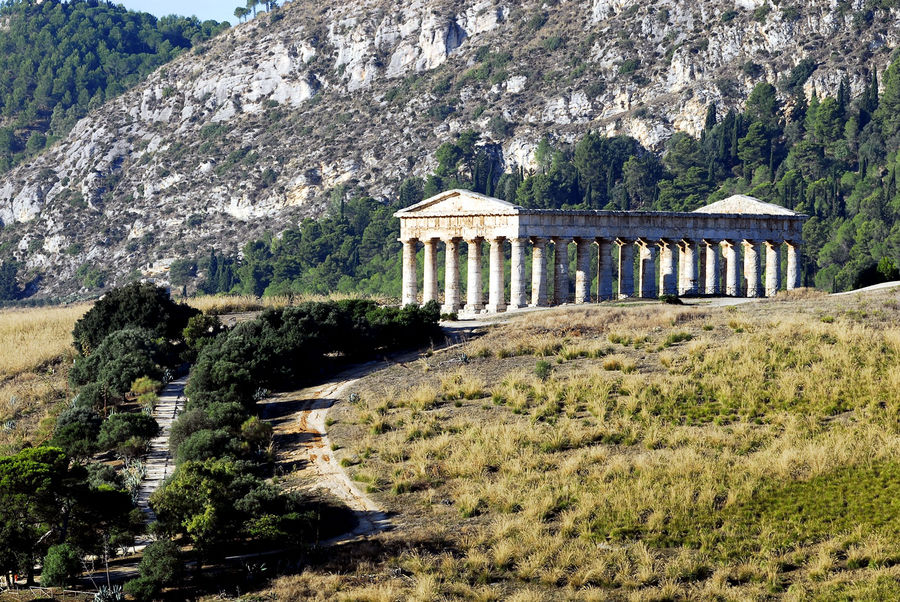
(634,452)
(34,366)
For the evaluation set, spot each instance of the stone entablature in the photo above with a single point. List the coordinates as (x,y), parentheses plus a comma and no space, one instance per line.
(718,230)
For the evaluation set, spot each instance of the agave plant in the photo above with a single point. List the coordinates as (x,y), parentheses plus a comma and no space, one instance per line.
(109,594)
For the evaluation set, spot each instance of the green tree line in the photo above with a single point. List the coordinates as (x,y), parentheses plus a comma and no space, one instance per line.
(60,59)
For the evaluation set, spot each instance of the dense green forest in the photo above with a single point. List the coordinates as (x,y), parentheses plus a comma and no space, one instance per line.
(834,159)
(60,59)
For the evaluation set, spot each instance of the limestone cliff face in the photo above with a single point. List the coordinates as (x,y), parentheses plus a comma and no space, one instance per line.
(258,127)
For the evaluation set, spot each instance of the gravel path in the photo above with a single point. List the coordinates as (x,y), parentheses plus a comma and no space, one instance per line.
(310,448)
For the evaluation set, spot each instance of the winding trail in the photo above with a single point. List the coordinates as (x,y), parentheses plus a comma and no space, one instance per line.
(305,448)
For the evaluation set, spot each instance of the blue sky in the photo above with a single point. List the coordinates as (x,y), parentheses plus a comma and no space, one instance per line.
(220,10)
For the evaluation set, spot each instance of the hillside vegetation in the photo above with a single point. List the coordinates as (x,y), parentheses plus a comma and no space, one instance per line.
(61,59)
(633,452)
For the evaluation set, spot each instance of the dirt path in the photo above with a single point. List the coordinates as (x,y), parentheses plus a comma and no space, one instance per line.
(304,448)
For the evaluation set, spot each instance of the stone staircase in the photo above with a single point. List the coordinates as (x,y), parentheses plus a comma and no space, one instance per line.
(159,464)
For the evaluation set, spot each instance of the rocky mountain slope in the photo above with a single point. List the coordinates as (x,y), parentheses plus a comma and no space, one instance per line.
(268,121)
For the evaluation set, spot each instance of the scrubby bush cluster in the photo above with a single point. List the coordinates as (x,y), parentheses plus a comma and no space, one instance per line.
(218,497)
(52,501)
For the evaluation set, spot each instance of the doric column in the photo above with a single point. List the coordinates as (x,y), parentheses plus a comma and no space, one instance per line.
(688,267)
(751,268)
(451,276)
(410,272)
(538,272)
(560,271)
(732,269)
(647,270)
(626,268)
(583,270)
(668,271)
(518,297)
(604,269)
(497,283)
(793,265)
(430,288)
(773,267)
(475,299)
(711,284)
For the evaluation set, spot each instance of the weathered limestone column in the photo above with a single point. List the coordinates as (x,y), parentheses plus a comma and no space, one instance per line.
(430,287)
(497,282)
(410,272)
(518,297)
(773,268)
(583,270)
(451,276)
(711,285)
(604,270)
(538,272)
(647,270)
(668,272)
(751,268)
(793,265)
(626,268)
(475,300)
(732,269)
(560,271)
(688,267)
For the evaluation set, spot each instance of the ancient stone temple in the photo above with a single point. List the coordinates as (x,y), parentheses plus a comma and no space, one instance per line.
(721,249)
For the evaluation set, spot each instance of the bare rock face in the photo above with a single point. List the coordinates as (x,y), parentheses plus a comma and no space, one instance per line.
(257,128)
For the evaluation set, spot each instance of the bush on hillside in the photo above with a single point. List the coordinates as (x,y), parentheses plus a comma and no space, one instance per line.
(137,305)
(61,565)
(123,357)
(118,429)
(76,431)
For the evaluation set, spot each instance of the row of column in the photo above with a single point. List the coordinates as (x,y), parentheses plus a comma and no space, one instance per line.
(697,270)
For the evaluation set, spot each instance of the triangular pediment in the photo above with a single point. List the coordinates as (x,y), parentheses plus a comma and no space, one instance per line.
(460,202)
(743,204)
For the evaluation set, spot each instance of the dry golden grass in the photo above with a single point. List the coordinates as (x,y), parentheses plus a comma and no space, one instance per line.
(226,304)
(625,470)
(36,353)
(32,338)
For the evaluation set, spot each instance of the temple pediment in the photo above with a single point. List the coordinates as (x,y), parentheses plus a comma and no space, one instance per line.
(745,205)
(459,202)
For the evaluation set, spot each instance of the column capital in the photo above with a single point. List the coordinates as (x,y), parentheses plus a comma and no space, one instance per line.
(451,239)
(624,241)
(538,241)
(411,240)
(773,243)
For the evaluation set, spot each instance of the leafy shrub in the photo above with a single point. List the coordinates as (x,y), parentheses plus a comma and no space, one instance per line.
(119,360)
(207,444)
(76,431)
(61,565)
(119,429)
(629,66)
(142,588)
(161,563)
(137,305)
(93,395)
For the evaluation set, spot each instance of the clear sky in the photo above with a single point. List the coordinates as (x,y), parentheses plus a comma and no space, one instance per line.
(220,10)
